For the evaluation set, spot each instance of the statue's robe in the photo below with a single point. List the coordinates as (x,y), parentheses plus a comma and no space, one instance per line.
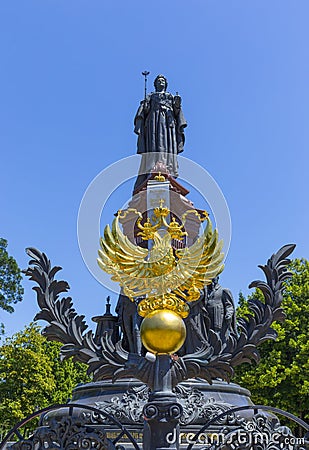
(219,305)
(159,123)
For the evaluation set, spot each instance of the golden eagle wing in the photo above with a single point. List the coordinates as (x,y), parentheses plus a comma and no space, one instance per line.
(122,259)
(201,262)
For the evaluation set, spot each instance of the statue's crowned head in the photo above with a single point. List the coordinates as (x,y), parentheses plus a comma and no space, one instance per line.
(158,83)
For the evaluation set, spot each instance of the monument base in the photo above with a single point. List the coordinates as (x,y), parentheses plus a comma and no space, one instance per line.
(125,400)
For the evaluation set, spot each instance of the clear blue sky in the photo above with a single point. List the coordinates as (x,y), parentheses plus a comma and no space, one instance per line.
(71,82)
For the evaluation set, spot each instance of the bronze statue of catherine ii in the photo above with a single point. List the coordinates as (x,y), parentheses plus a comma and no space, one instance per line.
(159,124)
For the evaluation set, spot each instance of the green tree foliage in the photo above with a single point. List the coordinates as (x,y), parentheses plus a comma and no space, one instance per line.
(32,376)
(11,290)
(282,377)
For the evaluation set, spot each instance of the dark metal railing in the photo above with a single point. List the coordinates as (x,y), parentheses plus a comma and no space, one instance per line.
(14,432)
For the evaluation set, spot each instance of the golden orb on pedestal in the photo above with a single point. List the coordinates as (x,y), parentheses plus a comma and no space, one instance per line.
(163,331)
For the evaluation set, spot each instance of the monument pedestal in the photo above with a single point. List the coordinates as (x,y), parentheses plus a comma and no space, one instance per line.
(125,400)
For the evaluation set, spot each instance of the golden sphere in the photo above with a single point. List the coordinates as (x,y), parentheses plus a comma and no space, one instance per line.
(163,331)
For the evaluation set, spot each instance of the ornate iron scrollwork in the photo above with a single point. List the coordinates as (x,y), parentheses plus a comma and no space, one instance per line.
(71,431)
(68,434)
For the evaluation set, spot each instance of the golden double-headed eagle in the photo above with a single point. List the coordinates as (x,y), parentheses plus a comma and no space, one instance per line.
(164,276)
